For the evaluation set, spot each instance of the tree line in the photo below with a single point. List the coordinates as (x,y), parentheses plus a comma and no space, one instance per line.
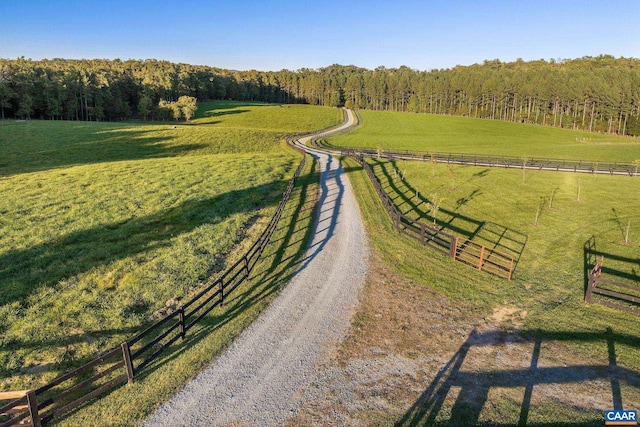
(591,93)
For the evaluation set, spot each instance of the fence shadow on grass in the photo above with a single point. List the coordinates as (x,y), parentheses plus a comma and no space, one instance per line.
(462,393)
(284,257)
(616,279)
(419,205)
(298,246)
(619,266)
(279,263)
(245,286)
(490,234)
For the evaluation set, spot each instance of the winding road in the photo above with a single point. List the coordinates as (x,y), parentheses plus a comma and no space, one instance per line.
(262,376)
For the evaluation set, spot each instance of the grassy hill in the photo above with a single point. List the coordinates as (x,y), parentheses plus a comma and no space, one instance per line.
(103,224)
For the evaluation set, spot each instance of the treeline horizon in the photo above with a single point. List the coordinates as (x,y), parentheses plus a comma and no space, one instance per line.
(599,94)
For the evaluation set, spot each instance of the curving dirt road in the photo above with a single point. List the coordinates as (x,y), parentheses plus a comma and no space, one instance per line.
(261,378)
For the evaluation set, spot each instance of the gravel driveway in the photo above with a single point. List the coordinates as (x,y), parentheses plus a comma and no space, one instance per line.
(262,377)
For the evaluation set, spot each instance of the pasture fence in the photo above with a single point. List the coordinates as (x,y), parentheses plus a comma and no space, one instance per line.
(509,162)
(464,251)
(618,295)
(121,365)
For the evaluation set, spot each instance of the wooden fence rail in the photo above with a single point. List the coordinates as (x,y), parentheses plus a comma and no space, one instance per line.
(467,252)
(121,364)
(551,164)
(614,298)
(23,407)
(485,259)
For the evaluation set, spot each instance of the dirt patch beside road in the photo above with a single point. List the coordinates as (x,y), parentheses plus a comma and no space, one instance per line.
(414,358)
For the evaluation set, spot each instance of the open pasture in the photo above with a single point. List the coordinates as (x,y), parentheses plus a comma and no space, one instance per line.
(103,224)
(489,336)
(538,218)
(220,127)
(452,134)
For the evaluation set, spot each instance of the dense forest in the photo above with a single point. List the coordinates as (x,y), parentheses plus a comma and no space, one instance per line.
(592,93)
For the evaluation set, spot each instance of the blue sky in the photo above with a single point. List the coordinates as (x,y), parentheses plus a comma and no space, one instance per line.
(273,35)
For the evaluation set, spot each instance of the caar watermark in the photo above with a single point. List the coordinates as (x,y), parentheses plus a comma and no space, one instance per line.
(621,418)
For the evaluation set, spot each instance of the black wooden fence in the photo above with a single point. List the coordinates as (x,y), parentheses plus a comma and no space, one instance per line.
(121,364)
(614,294)
(465,251)
(509,162)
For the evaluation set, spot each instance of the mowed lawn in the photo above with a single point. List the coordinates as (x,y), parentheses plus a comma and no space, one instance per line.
(453,134)
(555,225)
(103,224)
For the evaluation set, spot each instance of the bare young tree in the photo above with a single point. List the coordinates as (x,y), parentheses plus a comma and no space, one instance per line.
(434,206)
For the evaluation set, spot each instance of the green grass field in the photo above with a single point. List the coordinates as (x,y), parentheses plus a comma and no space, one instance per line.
(219,128)
(128,405)
(102,224)
(427,132)
(498,207)
(495,208)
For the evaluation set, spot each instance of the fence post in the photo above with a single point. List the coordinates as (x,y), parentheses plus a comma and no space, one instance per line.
(181,321)
(453,249)
(32,402)
(481,258)
(246,267)
(221,292)
(126,354)
(594,274)
(422,233)
(587,295)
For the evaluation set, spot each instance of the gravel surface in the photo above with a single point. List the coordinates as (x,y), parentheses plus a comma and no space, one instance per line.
(263,376)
